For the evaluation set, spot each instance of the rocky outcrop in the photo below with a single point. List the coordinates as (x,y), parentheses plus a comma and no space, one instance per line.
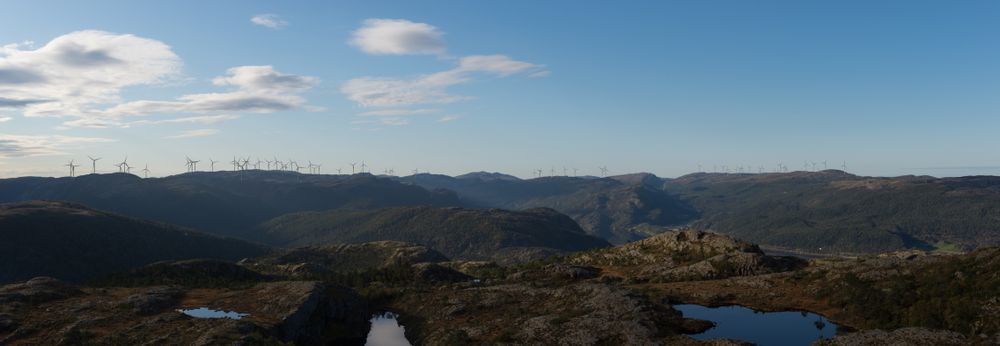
(315,260)
(189,273)
(687,255)
(36,291)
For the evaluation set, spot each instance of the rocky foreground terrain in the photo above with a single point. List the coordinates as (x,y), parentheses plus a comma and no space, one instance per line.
(47,311)
(623,295)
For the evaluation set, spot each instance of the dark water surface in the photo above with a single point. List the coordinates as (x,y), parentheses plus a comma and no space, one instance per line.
(762,328)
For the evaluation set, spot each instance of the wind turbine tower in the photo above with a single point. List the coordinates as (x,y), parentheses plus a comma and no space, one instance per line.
(72,168)
(93,162)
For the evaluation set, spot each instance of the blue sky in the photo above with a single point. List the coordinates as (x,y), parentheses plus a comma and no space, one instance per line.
(893,87)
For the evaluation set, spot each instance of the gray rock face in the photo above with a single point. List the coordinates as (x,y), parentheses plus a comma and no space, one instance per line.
(153,300)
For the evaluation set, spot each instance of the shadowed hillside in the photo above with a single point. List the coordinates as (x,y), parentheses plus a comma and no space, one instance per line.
(618,209)
(500,235)
(226,203)
(837,211)
(74,243)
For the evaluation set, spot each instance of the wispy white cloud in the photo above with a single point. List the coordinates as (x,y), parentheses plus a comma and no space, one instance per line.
(5,119)
(398,112)
(76,72)
(398,37)
(27,145)
(449,118)
(194,133)
(259,89)
(432,88)
(269,20)
(205,120)
(81,75)
(394,121)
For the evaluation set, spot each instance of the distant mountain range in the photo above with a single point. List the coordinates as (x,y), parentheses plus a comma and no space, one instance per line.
(828,211)
(833,211)
(75,243)
(224,203)
(467,234)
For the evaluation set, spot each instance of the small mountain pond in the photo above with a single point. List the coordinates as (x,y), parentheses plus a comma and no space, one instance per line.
(386,331)
(762,328)
(209,313)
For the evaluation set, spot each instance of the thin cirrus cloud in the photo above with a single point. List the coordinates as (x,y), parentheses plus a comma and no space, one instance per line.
(397,37)
(269,20)
(204,120)
(193,133)
(5,119)
(432,88)
(26,145)
(398,112)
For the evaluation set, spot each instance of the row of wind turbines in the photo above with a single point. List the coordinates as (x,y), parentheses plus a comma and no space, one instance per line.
(123,167)
(808,166)
(238,164)
(565,172)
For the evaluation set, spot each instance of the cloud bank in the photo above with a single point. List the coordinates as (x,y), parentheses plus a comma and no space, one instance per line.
(74,73)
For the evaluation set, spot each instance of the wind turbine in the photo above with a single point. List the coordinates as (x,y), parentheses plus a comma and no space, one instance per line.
(604,171)
(575,170)
(93,163)
(363,165)
(844,166)
(338,171)
(824,165)
(145,171)
(191,164)
(123,165)
(212,163)
(235,164)
(352,167)
(415,171)
(72,168)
